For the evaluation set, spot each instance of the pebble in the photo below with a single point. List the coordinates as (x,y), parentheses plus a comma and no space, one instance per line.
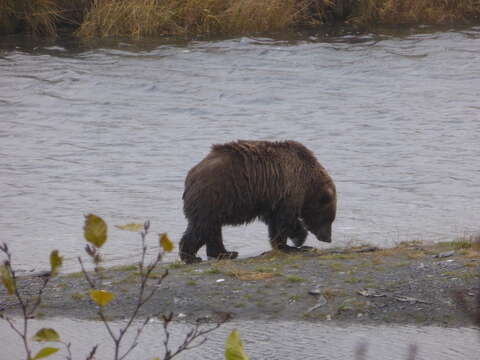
(445,254)
(314,291)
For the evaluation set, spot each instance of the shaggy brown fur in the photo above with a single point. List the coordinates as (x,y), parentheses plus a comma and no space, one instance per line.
(281,183)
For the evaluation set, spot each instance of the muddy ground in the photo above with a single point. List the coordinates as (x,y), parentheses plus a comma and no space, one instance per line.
(411,284)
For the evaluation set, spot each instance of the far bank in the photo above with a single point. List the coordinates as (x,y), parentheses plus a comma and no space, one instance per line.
(200,18)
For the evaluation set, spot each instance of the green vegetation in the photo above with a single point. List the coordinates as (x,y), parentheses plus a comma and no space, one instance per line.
(295,279)
(141,18)
(336,266)
(352,280)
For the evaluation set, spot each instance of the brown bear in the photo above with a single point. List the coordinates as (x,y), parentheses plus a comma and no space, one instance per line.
(280,183)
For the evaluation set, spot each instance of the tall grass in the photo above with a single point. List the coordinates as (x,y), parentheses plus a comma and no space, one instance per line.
(195,17)
(135,18)
(394,12)
(140,18)
(39,16)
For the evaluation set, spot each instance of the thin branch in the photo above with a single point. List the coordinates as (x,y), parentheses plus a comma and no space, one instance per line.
(107,325)
(191,336)
(92,353)
(85,274)
(38,300)
(141,300)
(23,305)
(135,340)
(12,325)
(69,350)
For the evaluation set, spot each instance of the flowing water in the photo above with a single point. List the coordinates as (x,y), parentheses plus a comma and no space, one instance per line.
(266,341)
(113,128)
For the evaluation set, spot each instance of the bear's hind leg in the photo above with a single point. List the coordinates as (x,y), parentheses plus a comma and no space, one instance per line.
(190,243)
(215,247)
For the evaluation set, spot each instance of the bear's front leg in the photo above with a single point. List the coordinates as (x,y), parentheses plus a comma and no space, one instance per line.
(297,233)
(281,225)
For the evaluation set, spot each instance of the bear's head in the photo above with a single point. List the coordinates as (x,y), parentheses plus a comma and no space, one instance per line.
(319,212)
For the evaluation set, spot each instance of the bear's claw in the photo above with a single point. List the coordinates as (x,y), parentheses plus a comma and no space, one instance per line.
(227,255)
(190,259)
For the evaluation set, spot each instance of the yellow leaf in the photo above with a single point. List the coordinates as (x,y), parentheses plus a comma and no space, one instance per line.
(46,351)
(234,347)
(166,243)
(46,334)
(130,227)
(95,230)
(7,279)
(55,261)
(101,297)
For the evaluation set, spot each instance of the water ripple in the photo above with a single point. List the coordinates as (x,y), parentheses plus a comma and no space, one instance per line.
(114,129)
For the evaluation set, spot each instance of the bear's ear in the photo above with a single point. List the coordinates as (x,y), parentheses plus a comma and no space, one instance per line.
(328,195)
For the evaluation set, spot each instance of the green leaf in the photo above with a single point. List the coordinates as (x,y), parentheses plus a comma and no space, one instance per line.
(7,279)
(46,334)
(130,227)
(101,297)
(95,230)
(46,351)
(234,347)
(56,261)
(166,243)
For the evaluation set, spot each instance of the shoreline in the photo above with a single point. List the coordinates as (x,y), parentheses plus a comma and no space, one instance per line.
(413,283)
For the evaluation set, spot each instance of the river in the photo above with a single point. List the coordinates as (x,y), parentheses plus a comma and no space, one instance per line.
(262,341)
(112,128)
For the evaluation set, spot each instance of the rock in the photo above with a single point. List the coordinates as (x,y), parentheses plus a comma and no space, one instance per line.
(409,299)
(314,291)
(370,293)
(444,254)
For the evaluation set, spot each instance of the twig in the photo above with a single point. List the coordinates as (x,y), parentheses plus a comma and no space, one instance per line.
(85,274)
(92,353)
(23,304)
(191,336)
(69,350)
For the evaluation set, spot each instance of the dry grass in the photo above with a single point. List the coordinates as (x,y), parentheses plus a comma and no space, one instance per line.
(228,268)
(139,18)
(259,15)
(394,12)
(125,18)
(39,16)
(142,18)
